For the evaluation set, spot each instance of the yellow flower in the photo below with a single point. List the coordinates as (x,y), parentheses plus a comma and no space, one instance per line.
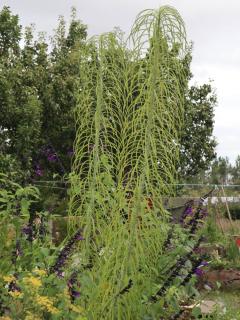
(9,278)
(47,303)
(11,234)
(35,282)
(76,309)
(40,272)
(15,294)
(66,294)
(31,316)
(5,318)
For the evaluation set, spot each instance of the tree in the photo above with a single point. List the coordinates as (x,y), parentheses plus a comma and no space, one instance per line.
(38,96)
(197,145)
(220,171)
(235,171)
(38,87)
(20,117)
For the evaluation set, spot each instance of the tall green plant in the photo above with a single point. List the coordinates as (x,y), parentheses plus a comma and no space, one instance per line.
(129,120)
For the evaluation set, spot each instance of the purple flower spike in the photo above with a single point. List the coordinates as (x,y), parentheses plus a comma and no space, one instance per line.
(204,264)
(52,157)
(13,287)
(72,284)
(75,294)
(79,237)
(38,171)
(199,272)
(65,253)
(27,230)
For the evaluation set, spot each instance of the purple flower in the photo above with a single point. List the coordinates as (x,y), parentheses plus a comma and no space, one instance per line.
(199,272)
(12,287)
(50,154)
(188,212)
(72,283)
(52,157)
(204,264)
(65,253)
(38,171)
(75,294)
(27,230)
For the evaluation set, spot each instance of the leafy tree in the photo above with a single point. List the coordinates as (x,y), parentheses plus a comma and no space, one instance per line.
(38,86)
(235,171)
(220,171)
(20,117)
(197,146)
(38,96)
(10,33)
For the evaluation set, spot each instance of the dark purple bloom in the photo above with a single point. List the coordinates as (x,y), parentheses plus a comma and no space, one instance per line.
(27,230)
(72,284)
(52,157)
(13,287)
(188,211)
(50,154)
(65,253)
(38,171)
(79,236)
(75,293)
(204,263)
(199,272)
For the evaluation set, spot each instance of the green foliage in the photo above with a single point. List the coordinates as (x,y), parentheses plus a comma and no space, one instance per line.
(10,33)
(28,289)
(38,87)
(197,142)
(129,117)
(235,171)
(37,95)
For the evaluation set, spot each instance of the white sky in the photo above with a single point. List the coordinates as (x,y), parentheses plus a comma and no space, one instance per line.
(213,26)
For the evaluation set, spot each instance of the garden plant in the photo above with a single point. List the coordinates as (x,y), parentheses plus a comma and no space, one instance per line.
(125,255)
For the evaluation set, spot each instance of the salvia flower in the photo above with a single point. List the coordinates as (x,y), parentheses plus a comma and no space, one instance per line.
(204,263)
(28,231)
(65,253)
(199,272)
(187,213)
(72,284)
(52,157)
(38,171)
(13,287)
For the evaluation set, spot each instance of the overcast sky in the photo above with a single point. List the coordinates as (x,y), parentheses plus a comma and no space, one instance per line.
(212,25)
